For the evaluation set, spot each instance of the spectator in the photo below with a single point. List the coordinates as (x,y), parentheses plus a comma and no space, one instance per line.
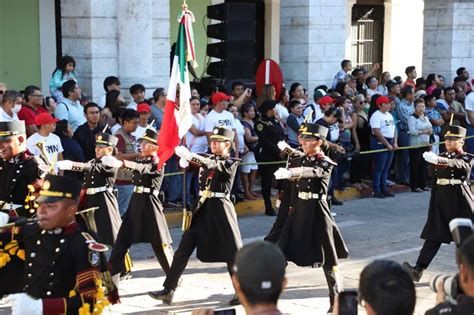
(295,119)
(113,101)
(382,87)
(460,94)
(137,91)
(240,94)
(32,106)
(383,137)
(385,288)
(3,89)
(352,84)
(111,83)
(64,72)
(454,108)
(372,85)
(314,109)
(195,93)
(126,151)
(297,93)
(343,89)
(463,76)
(465,284)
(196,142)
(404,110)
(346,66)
(45,135)
(361,141)
(420,131)
(239,128)
(158,107)
(345,127)
(432,82)
(441,81)
(118,119)
(420,94)
(469,106)
(267,93)
(49,103)
(144,112)
(11,106)
(204,108)
(85,133)
(436,121)
(72,149)
(411,76)
(358,73)
(281,108)
(69,108)
(249,171)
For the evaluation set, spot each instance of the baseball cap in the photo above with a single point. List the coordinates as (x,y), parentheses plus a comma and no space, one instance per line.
(318,94)
(260,266)
(326,100)
(382,100)
(219,96)
(45,118)
(390,84)
(143,108)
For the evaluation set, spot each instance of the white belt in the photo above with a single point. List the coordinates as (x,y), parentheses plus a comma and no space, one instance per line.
(211,194)
(96,190)
(309,195)
(450,181)
(10,206)
(146,190)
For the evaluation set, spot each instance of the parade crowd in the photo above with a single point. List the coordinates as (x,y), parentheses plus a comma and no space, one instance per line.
(65,155)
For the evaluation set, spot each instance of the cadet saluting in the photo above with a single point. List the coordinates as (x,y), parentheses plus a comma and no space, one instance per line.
(451,197)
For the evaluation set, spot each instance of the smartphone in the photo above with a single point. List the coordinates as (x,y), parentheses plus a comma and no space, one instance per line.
(348,303)
(230,311)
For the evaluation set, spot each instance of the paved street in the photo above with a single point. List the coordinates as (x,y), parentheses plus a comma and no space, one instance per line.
(373,229)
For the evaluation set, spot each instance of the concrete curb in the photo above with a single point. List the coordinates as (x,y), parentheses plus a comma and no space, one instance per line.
(256,207)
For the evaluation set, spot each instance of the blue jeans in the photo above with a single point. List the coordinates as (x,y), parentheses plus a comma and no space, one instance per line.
(403,158)
(470,143)
(173,185)
(382,162)
(124,194)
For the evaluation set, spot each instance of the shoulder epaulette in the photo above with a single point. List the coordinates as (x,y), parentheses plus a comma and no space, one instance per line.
(93,245)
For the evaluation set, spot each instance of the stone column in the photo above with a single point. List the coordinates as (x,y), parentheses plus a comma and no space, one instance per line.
(350,4)
(272,29)
(403,36)
(312,40)
(448,41)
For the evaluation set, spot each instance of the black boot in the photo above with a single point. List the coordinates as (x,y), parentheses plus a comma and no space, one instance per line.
(165,295)
(331,304)
(234,301)
(414,272)
(269,208)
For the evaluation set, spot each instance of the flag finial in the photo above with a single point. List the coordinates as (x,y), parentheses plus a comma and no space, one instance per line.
(184,5)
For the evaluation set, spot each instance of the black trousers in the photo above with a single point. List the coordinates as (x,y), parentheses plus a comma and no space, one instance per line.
(120,249)
(427,253)
(181,258)
(275,232)
(417,168)
(266,173)
(332,283)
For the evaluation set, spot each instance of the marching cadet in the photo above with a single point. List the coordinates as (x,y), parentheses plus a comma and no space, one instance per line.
(451,197)
(213,230)
(310,236)
(64,267)
(269,132)
(144,221)
(18,170)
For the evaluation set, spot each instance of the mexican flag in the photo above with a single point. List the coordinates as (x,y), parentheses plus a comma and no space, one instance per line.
(177,118)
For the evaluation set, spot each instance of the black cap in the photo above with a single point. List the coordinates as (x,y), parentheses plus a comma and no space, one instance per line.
(390,84)
(56,188)
(105,139)
(150,136)
(260,266)
(266,105)
(455,132)
(11,128)
(222,133)
(314,131)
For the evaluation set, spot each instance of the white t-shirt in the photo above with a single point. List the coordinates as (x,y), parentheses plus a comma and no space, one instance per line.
(52,146)
(385,122)
(197,144)
(214,119)
(115,128)
(315,111)
(132,105)
(240,134)
(5,117)
(101,101)
(469,105)
(282,112)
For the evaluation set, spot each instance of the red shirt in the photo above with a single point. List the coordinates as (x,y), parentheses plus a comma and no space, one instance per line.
(28,114)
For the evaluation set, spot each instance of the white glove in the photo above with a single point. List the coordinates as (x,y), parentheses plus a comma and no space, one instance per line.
(282,145)
(4,218)
(64,165)
(111,161)
(282,173)
(182,152)
(183,163)
(430,157)
(23,304)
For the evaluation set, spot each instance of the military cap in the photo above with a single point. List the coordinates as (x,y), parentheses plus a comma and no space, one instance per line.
(150,136)
(105,139)
(222,133)
(11,128)
(455,132)
(56,188)
(314,131)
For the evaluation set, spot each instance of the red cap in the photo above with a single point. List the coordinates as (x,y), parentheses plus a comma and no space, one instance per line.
(326,100)
(143,108)
(44,119)
(220,96)
(382,100)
